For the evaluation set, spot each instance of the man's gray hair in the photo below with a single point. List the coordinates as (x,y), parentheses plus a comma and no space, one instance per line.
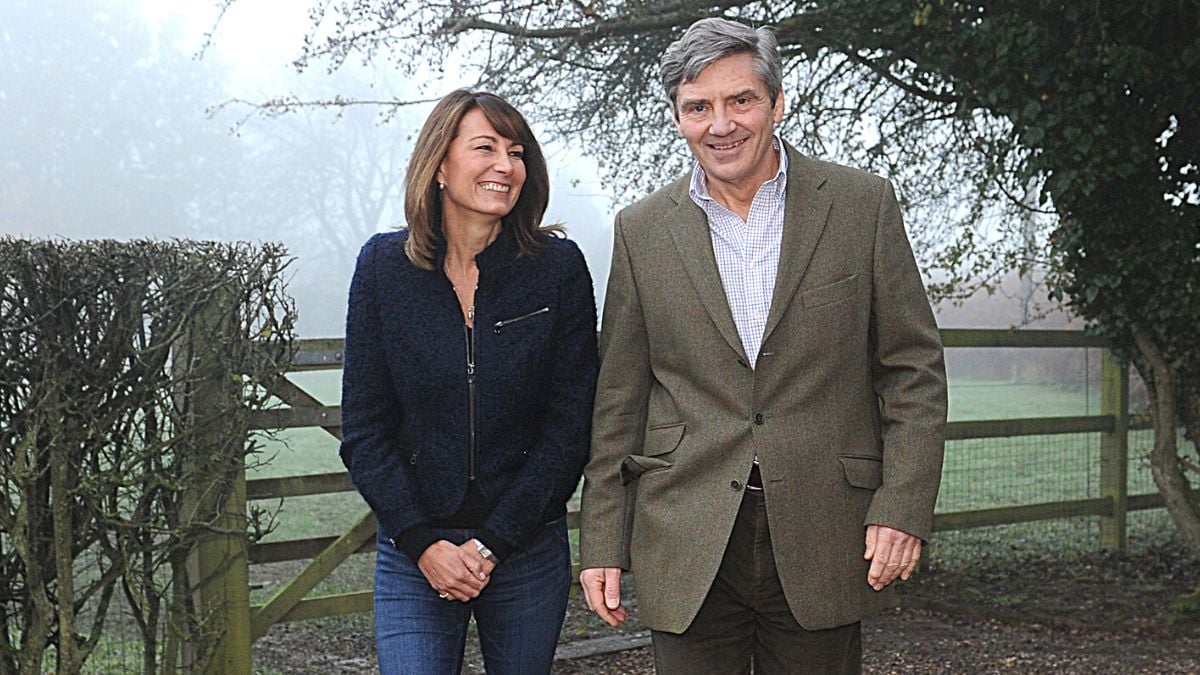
(712,39)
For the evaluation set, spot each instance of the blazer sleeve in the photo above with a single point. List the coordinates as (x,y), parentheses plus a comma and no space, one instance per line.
(909,380)
(371,409)
(619,421)
(554,463)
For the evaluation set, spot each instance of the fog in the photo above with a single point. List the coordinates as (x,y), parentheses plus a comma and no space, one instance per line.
(112,126)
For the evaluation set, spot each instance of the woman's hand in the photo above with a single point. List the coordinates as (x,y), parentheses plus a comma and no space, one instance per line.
(457,570)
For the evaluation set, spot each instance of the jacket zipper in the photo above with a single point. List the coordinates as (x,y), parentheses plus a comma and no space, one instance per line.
(470,334)
(501,324)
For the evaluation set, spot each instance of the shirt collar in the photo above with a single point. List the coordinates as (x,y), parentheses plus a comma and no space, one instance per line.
(699,186)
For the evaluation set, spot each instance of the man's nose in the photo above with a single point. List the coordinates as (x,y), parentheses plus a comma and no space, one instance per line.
(722,124)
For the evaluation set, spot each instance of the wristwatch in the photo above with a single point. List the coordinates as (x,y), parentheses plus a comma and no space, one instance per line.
(486,553)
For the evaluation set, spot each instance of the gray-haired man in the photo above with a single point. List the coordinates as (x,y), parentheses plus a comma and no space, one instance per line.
(768,431)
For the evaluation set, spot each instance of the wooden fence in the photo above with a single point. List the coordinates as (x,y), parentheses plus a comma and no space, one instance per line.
(325,554)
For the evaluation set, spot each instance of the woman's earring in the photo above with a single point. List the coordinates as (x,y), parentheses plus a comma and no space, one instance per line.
(441,185)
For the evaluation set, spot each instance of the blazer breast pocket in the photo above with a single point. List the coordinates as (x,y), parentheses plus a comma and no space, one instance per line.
(661,440)
(830,293)
(862,472)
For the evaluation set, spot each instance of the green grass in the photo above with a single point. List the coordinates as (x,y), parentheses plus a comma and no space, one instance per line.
(1003,400)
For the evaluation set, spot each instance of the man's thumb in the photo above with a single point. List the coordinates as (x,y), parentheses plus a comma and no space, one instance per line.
(612,590)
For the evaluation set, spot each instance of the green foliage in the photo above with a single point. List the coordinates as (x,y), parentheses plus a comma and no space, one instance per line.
(131,370)
(1104,97)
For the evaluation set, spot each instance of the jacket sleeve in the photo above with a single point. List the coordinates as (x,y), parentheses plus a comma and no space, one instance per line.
(554,463)
(909,379)
(371,410)
(619,422)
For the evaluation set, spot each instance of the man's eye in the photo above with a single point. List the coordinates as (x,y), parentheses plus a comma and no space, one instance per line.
(743,101)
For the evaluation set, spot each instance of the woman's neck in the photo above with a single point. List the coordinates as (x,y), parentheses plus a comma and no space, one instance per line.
(464,241)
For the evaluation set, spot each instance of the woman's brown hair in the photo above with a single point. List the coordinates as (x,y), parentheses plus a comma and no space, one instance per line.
(422,199)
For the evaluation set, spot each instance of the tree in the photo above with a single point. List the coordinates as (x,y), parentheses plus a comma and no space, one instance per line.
(965,104)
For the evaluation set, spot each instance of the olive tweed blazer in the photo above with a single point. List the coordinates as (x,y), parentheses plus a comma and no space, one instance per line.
(845,409)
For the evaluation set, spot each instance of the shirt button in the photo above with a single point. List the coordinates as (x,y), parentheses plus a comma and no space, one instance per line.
(735,485)
(758,418)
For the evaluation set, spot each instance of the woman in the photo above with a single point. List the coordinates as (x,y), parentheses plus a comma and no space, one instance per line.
(470,368)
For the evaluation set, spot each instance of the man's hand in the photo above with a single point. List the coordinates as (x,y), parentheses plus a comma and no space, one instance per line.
(602,590)
(457,570)
(892,554)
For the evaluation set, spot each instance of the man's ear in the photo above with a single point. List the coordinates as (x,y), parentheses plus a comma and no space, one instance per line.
(778,107)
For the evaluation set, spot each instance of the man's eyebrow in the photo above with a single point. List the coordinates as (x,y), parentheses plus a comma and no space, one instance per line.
(683,103)
(745,93)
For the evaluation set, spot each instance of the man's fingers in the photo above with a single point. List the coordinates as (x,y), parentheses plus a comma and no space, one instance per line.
(872,534)
(602,592)
(914,559)
(612,588)
(893,554)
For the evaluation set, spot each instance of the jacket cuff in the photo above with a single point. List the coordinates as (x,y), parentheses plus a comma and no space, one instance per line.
(415,540)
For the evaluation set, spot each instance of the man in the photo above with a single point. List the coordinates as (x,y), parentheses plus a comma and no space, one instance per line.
(768,431)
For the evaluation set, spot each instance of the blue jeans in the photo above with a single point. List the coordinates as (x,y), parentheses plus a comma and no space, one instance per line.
(519,613)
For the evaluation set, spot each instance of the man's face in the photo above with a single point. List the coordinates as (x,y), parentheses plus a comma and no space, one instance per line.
(728,120)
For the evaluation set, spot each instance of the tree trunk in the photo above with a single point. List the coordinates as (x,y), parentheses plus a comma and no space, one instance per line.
(1166,464)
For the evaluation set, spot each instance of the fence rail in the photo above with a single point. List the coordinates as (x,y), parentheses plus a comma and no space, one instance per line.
(326,553)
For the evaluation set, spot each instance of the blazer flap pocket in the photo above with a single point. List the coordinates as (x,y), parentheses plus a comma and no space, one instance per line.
(634,466)
(662,438)
(830,293)
(863,472)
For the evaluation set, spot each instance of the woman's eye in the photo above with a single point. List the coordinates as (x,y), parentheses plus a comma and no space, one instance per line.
(485,148)
(517,154)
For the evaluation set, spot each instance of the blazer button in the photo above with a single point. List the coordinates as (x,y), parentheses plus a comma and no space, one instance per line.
(735,485)
(758,418)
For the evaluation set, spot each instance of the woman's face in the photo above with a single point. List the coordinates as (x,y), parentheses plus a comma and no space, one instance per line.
(483,171)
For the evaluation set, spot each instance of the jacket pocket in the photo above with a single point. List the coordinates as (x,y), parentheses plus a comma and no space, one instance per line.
(830,293)
(663,438)
(500,325)
(660,440)
(633,466)
(862,472)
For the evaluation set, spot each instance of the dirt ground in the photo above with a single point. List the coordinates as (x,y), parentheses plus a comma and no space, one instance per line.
(1092,613)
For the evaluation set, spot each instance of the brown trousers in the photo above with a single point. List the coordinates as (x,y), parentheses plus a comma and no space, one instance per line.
(745,618)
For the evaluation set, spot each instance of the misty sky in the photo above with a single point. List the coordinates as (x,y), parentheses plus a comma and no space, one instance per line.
(107,130)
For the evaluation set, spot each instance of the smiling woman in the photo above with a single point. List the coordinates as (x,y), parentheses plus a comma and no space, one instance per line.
(482,174)
(467,443)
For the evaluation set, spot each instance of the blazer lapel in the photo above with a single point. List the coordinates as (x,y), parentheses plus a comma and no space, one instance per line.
(806,210)
(694,243)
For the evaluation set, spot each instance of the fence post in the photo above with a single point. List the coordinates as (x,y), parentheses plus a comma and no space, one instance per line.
(1114,450)
(219,565)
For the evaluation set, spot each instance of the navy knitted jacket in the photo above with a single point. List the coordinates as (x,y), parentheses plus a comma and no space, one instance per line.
(406,408)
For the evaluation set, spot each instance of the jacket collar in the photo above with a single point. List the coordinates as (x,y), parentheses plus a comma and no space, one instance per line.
(495,261)
(806,209)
